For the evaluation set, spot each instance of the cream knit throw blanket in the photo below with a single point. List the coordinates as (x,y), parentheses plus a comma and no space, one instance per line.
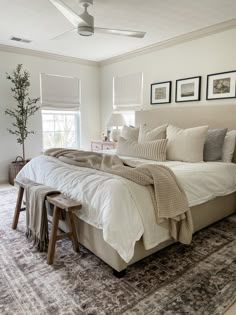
(36,214)
(169,199)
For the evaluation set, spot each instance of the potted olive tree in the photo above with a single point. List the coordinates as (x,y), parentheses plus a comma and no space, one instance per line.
(25,107)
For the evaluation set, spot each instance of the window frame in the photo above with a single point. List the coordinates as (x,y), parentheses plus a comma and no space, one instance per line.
(62,112)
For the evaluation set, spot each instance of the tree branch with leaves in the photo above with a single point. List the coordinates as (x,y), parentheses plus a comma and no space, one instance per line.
(26,106)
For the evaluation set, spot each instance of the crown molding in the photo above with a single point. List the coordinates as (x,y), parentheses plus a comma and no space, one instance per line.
(203,32)
(41,54)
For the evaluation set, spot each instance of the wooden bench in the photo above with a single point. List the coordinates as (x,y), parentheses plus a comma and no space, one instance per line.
(60,203)
(21,184)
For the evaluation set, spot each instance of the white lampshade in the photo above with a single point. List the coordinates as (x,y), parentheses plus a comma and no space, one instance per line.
(116,120)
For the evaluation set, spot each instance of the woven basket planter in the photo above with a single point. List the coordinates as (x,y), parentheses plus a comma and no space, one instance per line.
(14,168)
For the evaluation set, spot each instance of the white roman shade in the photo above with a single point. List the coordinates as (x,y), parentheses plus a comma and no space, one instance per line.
(59,92)
(128,92)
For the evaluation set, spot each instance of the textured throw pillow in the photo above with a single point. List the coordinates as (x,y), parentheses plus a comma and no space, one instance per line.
(229,146)
(153,150)
(185,144)
(146,134)
(214,144)
(130,133)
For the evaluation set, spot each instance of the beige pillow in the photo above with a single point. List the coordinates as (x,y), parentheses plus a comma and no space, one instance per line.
(229,146)
(130,133)
(153,150)
(186,144)
(146,134)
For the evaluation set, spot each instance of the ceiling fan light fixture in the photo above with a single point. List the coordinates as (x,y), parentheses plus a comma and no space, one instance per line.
(86,3)
(86,26)
(84,23)
(85,30)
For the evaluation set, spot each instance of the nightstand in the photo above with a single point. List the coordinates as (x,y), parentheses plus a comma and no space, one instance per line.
(98,145)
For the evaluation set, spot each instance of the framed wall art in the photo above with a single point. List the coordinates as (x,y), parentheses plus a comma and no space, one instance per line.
(221,85)
(161,93)
(188,90)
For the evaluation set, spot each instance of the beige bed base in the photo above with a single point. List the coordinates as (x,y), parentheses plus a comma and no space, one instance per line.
(221,116)
(203,215)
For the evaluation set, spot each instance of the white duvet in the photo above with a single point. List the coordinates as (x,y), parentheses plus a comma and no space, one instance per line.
(123,209)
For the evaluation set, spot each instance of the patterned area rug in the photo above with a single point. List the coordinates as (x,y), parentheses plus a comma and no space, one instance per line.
(197,279)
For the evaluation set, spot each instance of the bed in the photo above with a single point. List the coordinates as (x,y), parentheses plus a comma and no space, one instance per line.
(121,230)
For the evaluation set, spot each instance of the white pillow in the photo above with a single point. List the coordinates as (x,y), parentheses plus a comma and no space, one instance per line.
(186,144)
(229,146)
(146,134)
(130,133)
(153,150)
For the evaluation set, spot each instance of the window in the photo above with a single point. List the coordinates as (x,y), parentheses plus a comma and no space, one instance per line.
(128,92)
(60,129)
(60,104)
(128,95)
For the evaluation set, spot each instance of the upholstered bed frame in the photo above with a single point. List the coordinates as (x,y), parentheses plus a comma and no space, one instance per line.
(203,215)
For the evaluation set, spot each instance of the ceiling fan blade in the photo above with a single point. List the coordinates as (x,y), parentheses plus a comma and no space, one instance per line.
(63,35)
(69,13)
(119,32)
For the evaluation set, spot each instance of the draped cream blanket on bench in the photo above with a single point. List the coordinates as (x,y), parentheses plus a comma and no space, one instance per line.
(36,214)
(169,200)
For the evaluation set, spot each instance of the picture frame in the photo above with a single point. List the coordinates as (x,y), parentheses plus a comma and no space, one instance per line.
(188,89)
(160,93)
(221,85)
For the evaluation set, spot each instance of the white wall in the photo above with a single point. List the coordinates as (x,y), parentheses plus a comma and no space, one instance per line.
(90,111)
(211,54)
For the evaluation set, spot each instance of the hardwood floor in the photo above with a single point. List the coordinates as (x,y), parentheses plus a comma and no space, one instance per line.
(5,186)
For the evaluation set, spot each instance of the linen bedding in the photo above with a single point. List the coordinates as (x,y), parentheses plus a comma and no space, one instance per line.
(124,209)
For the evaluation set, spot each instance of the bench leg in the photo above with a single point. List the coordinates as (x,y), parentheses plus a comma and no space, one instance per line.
(53,236)
(119,274)
(18,207)
(73,232)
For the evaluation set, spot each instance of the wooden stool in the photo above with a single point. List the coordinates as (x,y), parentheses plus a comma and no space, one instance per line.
(62,203)
(21,183)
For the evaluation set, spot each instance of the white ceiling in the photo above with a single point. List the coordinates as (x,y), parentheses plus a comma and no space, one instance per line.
(39,21)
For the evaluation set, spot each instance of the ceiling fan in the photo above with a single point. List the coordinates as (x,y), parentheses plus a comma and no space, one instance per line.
(84,23)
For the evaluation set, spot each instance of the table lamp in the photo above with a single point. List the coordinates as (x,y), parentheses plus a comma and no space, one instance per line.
(115,120)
